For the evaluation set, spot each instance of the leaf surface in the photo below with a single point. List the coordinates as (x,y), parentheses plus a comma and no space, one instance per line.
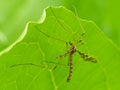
(39,49)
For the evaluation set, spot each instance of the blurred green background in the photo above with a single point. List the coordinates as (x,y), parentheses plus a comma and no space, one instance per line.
(14,15)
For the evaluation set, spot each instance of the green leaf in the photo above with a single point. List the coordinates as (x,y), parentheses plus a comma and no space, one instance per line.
(39,49)
(14,15)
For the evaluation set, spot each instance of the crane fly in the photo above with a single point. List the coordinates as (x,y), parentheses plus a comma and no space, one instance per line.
(72,50)
(70,53)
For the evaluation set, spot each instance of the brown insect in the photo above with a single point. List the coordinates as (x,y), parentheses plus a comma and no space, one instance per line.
(70,53)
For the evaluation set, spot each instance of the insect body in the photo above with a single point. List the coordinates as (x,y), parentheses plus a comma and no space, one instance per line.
(70,53)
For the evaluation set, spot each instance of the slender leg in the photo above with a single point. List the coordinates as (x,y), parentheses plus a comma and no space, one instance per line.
(59,57)
(63,55)
(49,35)
(78,19)
(55,63)
(86,57)
(29,64)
